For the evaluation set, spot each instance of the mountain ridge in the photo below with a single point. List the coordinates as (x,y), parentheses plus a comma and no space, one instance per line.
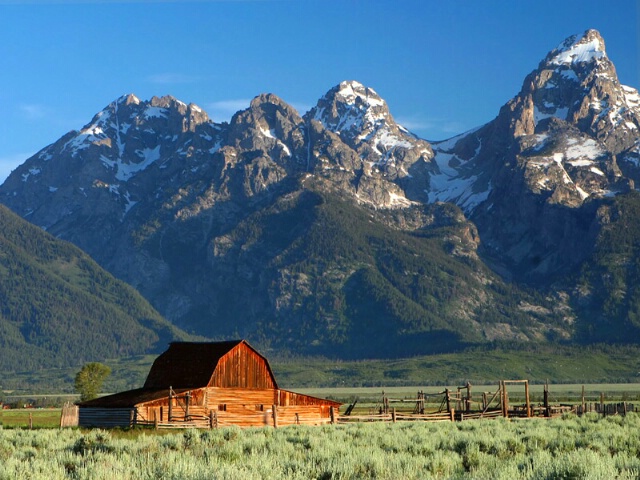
(212,222)
(59,309)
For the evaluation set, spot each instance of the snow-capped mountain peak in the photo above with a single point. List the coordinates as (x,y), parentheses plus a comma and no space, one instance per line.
(353,92)
(361,118)
(577,49)
(128,99)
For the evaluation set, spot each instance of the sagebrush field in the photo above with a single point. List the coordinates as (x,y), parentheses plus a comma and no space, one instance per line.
(570,447)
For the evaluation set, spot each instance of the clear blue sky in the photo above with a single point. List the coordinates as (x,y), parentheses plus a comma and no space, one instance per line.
(443,66)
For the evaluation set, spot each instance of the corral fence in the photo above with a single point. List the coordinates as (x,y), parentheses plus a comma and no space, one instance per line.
(460,405)
(449,405)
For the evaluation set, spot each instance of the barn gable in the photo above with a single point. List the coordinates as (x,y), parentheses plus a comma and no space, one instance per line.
(220,364)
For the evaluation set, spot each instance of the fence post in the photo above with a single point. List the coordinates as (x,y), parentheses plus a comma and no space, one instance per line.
(506,399)
(275,416)
(448,397)
(332,413)
(453,414)
(547,409)
(213,419)
(393,414)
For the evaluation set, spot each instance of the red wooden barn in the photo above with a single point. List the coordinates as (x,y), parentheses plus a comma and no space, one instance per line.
(208,385)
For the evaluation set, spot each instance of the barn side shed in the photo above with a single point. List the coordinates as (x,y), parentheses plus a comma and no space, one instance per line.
(206,385)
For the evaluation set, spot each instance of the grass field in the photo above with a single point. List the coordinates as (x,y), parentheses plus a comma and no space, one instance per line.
(370,397)
(557,364)
(588,447)
(40,418)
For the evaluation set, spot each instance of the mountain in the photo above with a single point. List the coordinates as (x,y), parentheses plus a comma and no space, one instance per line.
(341,233)
(533,178)
(60,309)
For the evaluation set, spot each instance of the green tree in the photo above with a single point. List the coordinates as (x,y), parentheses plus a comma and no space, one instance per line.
(90,378)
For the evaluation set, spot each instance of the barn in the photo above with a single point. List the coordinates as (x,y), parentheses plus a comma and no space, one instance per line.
(206,385)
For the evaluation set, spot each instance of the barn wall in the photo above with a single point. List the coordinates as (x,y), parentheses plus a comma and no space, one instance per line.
(293,415)
(244,368)
(292,398)
(238,398)
(105,417)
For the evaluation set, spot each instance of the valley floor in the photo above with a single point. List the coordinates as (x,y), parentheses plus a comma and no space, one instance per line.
(571,447)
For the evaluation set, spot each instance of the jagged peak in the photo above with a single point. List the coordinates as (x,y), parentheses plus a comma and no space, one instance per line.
(352,90)
(165,101)
(350,106)
(128,99)
(268,98)
(577,49)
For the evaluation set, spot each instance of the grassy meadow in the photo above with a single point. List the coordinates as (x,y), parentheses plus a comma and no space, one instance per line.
(538,363)
(589,447)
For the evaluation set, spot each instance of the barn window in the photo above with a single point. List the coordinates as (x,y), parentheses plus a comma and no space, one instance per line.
(222,407)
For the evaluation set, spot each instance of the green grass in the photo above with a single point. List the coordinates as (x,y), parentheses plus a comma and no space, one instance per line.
(40,418)
(589,447)
(538,364)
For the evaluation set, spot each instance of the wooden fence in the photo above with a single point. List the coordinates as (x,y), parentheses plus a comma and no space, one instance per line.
(452,406)
(246,417)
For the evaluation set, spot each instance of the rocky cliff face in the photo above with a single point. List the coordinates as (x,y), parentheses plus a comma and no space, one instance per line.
(319,230)
(531,178)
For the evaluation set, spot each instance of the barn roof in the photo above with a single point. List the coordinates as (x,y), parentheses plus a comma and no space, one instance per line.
(130,398)
(191,364)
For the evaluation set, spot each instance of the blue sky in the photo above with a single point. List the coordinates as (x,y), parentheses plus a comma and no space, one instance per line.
(442,66)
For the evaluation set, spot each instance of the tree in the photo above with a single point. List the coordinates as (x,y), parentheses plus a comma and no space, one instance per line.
(90,378)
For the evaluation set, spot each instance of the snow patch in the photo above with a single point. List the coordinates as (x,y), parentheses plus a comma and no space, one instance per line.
(45,156)
(396,200)
(582,193)
(285,148)
(130,203)
(32,171)
(267,133)
(450,186)
(155,112)
(587,149)
(215,148)
(128,170)
(579,52)
(538,116)
(631,96)
(569,75)
(352,90)
(580,163)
